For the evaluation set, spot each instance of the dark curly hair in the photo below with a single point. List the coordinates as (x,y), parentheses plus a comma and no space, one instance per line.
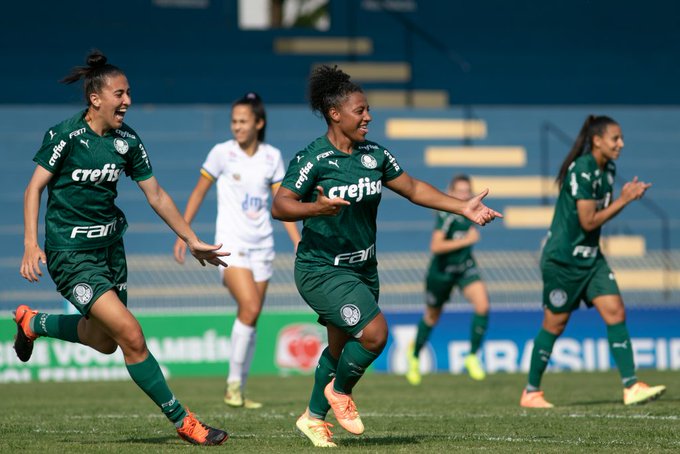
(94,74)
(329,87)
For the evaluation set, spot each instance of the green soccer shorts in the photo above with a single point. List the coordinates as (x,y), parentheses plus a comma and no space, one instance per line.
(83,276)
(341,297)
(564,287)
(440,283)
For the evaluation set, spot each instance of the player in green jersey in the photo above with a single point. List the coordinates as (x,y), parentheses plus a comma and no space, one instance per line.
(335,185)
(452,265)
(572,264)
(80,162)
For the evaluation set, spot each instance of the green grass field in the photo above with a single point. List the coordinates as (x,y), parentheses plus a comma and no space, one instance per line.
(445,414)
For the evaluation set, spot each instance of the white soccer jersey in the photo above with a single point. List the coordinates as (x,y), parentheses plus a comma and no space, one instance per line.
(243,189)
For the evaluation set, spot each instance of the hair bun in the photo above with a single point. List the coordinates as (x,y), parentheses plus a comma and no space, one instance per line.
(96,59)
(251,95)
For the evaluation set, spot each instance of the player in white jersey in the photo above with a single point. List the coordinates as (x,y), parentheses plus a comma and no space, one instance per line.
(247,171)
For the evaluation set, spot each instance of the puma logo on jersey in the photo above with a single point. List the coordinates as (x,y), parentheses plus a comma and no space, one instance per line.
(623,345)
(356,191)
(585,175)
(333,163)
(86,143)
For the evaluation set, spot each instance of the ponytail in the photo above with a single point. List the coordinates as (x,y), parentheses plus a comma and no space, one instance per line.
(593,126)
(94,74)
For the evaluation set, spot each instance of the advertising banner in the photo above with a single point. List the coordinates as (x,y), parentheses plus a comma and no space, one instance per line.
(655,335)
(291,342)
(184,345)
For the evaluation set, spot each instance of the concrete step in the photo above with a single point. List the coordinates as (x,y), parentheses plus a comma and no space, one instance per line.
(434,128)
(384,72)
(474,156)
(406,98)
(312,45)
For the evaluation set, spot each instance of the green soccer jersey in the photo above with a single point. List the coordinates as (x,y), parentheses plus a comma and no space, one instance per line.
(567,242)
(81,213)
(348,239)
(454,227)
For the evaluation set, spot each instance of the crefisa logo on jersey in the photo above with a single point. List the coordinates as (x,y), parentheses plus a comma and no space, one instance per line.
(369,161)
(350,314)
(121,146)
(558,297)
(82,293)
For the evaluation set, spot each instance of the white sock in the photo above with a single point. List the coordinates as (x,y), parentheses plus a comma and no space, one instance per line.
(241,335)
(250,351)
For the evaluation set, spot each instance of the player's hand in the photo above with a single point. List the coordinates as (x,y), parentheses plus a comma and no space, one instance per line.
(204,252)
(479,213)
(634,190)
(180,250)
(30,264)
(328,207)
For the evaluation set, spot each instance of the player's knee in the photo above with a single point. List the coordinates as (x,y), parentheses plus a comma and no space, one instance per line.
(106,347)
(248,314)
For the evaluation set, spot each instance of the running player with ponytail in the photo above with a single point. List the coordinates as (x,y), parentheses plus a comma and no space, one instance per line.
(80,162)
(572,264)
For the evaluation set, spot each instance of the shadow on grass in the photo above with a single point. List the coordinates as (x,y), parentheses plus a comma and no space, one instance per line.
(379,441)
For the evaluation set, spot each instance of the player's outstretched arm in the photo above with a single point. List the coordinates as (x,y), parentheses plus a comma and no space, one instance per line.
(164,206)
(424,194)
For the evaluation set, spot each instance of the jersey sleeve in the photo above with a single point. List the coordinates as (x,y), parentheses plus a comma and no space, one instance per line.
(580,181)
(212,167)
(440,220)
(279,171)
(53,151)
(301,175)
(391,168)
(138,166)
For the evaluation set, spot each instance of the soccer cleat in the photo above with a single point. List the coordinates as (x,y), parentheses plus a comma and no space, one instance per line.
(413,374)
(23,342)
(641,393)
(317,430)
(474,367)
(234,397)
(197,433)
(534,399)
(344,409)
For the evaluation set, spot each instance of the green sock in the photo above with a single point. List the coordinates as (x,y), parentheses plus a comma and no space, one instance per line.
(622,351)
(149,377)
(422,336)
(477,331)
(352,364)
(64,327)
(543,345)
(325,371)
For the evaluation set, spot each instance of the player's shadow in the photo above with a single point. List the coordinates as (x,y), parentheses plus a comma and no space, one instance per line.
(594,402)
(378,441)
(164,440)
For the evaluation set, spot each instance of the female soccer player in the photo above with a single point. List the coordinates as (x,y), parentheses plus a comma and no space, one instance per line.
(452,265)
(246,170)
(572,263)
(335,185)
(80,162)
